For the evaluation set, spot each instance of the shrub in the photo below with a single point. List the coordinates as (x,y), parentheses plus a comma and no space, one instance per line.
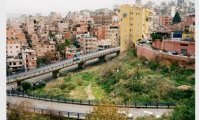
(63,86)
(185,110)
(26,86)
(153,65)
(132,52)
(174,67)
(164,69)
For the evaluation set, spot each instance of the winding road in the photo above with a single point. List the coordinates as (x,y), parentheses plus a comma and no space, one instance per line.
(136,112)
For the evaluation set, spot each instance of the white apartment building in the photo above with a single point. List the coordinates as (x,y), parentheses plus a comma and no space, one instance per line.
(13,48)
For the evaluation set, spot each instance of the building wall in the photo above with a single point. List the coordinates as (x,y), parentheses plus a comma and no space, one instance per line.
(100,32)
(112,33)
(30,58)
(88,45)
(41,49)
(13,48)
(150,54)
(174,45)
(134,24)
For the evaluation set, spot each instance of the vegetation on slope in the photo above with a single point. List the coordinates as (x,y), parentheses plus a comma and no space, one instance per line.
(125,78)
(130,78)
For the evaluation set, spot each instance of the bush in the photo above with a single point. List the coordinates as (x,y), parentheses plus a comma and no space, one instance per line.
(164,69)
(180,94)
(26,86)
(132,52)
(174,67)
(185,110)
(153,65)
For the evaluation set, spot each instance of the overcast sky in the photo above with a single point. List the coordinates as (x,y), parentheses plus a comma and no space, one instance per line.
(62,6)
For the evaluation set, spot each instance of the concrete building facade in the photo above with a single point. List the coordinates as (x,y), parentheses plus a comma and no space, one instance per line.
(134,25)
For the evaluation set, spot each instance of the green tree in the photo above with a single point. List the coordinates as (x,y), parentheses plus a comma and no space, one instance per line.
(67,42)
(76,43)
(176,19)
(155,36)
(26,86)
(61,49)
(40,61)
(185,110)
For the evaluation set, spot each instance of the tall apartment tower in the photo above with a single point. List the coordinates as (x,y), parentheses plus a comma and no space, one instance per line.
(138,2)
(135,23)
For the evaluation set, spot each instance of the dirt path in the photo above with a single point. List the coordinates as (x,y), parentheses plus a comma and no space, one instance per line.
(89,93)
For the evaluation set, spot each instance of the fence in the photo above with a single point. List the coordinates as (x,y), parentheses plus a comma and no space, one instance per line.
(128,104)
(54,113)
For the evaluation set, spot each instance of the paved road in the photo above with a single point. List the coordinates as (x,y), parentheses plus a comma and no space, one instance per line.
(136,112)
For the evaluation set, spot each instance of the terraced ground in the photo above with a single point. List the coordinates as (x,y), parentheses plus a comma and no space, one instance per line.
(124,78)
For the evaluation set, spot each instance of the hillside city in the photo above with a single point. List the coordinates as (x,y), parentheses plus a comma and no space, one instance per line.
(144,33)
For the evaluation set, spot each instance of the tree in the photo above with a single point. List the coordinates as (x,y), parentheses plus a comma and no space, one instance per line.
(76,43)
(26,86)
(19,112)
(67,42)
(176,19)
(155,36)
(185,110)
(61,49)
(40,61)
(106,111)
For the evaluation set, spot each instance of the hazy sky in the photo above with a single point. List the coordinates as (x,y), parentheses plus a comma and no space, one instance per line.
(62,6)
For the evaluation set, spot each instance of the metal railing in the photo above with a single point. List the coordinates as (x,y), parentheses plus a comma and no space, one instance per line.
(128,104)
(54,113)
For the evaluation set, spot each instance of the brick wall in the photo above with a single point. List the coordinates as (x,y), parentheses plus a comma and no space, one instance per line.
(150,54)
(173,45)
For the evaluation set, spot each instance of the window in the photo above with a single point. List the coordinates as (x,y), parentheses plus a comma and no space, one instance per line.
(20,63)
(124,15)
(14,63)
(10,63)
(184,44)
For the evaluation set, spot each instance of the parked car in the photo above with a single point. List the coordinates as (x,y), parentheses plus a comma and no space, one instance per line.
(174,52)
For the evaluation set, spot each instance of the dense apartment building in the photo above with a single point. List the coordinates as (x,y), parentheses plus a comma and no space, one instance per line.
(102,16)
(29,57)
(13,48)
(14,64)
(15,33)
(41,49)
(99,32)
(112,33)
(70,51)
(88,44)
(134,25)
